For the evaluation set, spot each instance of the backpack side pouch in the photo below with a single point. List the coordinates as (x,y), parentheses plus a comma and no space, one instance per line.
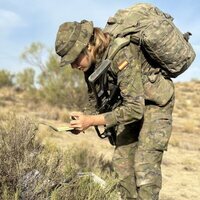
(158,89)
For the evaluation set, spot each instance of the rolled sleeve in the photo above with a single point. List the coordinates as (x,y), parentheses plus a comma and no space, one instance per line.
(110,118)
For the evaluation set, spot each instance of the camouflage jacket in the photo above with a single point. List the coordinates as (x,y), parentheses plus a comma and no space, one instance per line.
(140,84)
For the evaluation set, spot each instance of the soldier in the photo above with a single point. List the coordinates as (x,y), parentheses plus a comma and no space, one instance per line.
(144,119)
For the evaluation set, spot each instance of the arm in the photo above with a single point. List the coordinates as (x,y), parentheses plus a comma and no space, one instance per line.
(131,90)
(82,122)
(131,110)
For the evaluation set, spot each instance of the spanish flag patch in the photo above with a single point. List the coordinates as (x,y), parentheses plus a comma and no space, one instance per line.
(123,65)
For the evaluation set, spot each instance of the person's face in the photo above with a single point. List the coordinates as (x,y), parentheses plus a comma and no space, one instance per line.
(83,62)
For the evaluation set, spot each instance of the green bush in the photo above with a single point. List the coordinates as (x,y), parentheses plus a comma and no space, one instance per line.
(63,87)
(66,88)
(57,86)
(25,79)
(6,78)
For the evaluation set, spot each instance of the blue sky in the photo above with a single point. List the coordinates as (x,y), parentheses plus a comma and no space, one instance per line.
(25,21)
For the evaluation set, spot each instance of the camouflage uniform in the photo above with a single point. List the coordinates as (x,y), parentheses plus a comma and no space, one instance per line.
(143,119)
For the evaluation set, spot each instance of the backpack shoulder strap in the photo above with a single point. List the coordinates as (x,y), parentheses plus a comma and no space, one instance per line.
(117,44)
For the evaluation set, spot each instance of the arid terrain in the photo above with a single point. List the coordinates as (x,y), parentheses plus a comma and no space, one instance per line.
(181,163)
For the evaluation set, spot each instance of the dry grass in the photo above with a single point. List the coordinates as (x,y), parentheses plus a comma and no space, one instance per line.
(31,170)
(61,155)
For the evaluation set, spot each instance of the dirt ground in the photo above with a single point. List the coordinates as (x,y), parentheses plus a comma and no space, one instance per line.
(180,168)
(181,172)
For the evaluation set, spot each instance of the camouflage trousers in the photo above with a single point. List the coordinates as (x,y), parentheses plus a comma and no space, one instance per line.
(139,151)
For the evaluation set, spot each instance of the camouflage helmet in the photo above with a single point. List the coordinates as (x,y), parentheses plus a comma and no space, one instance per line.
(72,38)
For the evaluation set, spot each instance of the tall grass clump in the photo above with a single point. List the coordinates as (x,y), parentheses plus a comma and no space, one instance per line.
(30,170)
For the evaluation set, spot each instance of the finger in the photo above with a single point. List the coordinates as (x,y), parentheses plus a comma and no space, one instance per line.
(76,127)
(76,114)
(75,122)
(79,128)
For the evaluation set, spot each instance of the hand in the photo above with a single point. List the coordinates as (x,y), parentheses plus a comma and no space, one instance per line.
(80,121)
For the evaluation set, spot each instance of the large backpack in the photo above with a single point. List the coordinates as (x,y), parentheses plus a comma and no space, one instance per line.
(155,31)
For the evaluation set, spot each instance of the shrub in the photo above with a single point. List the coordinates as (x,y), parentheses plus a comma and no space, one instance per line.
(6,78)
(58,86)
(62,87)
(25,79)
(18,150)
(30,170)
(65,88)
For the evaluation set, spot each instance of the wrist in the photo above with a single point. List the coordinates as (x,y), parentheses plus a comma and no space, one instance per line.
(95,120)
(91,120)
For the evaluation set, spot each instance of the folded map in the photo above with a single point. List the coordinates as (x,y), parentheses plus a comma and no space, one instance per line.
(57,127)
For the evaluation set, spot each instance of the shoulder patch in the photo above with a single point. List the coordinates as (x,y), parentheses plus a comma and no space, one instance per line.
(122,65)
